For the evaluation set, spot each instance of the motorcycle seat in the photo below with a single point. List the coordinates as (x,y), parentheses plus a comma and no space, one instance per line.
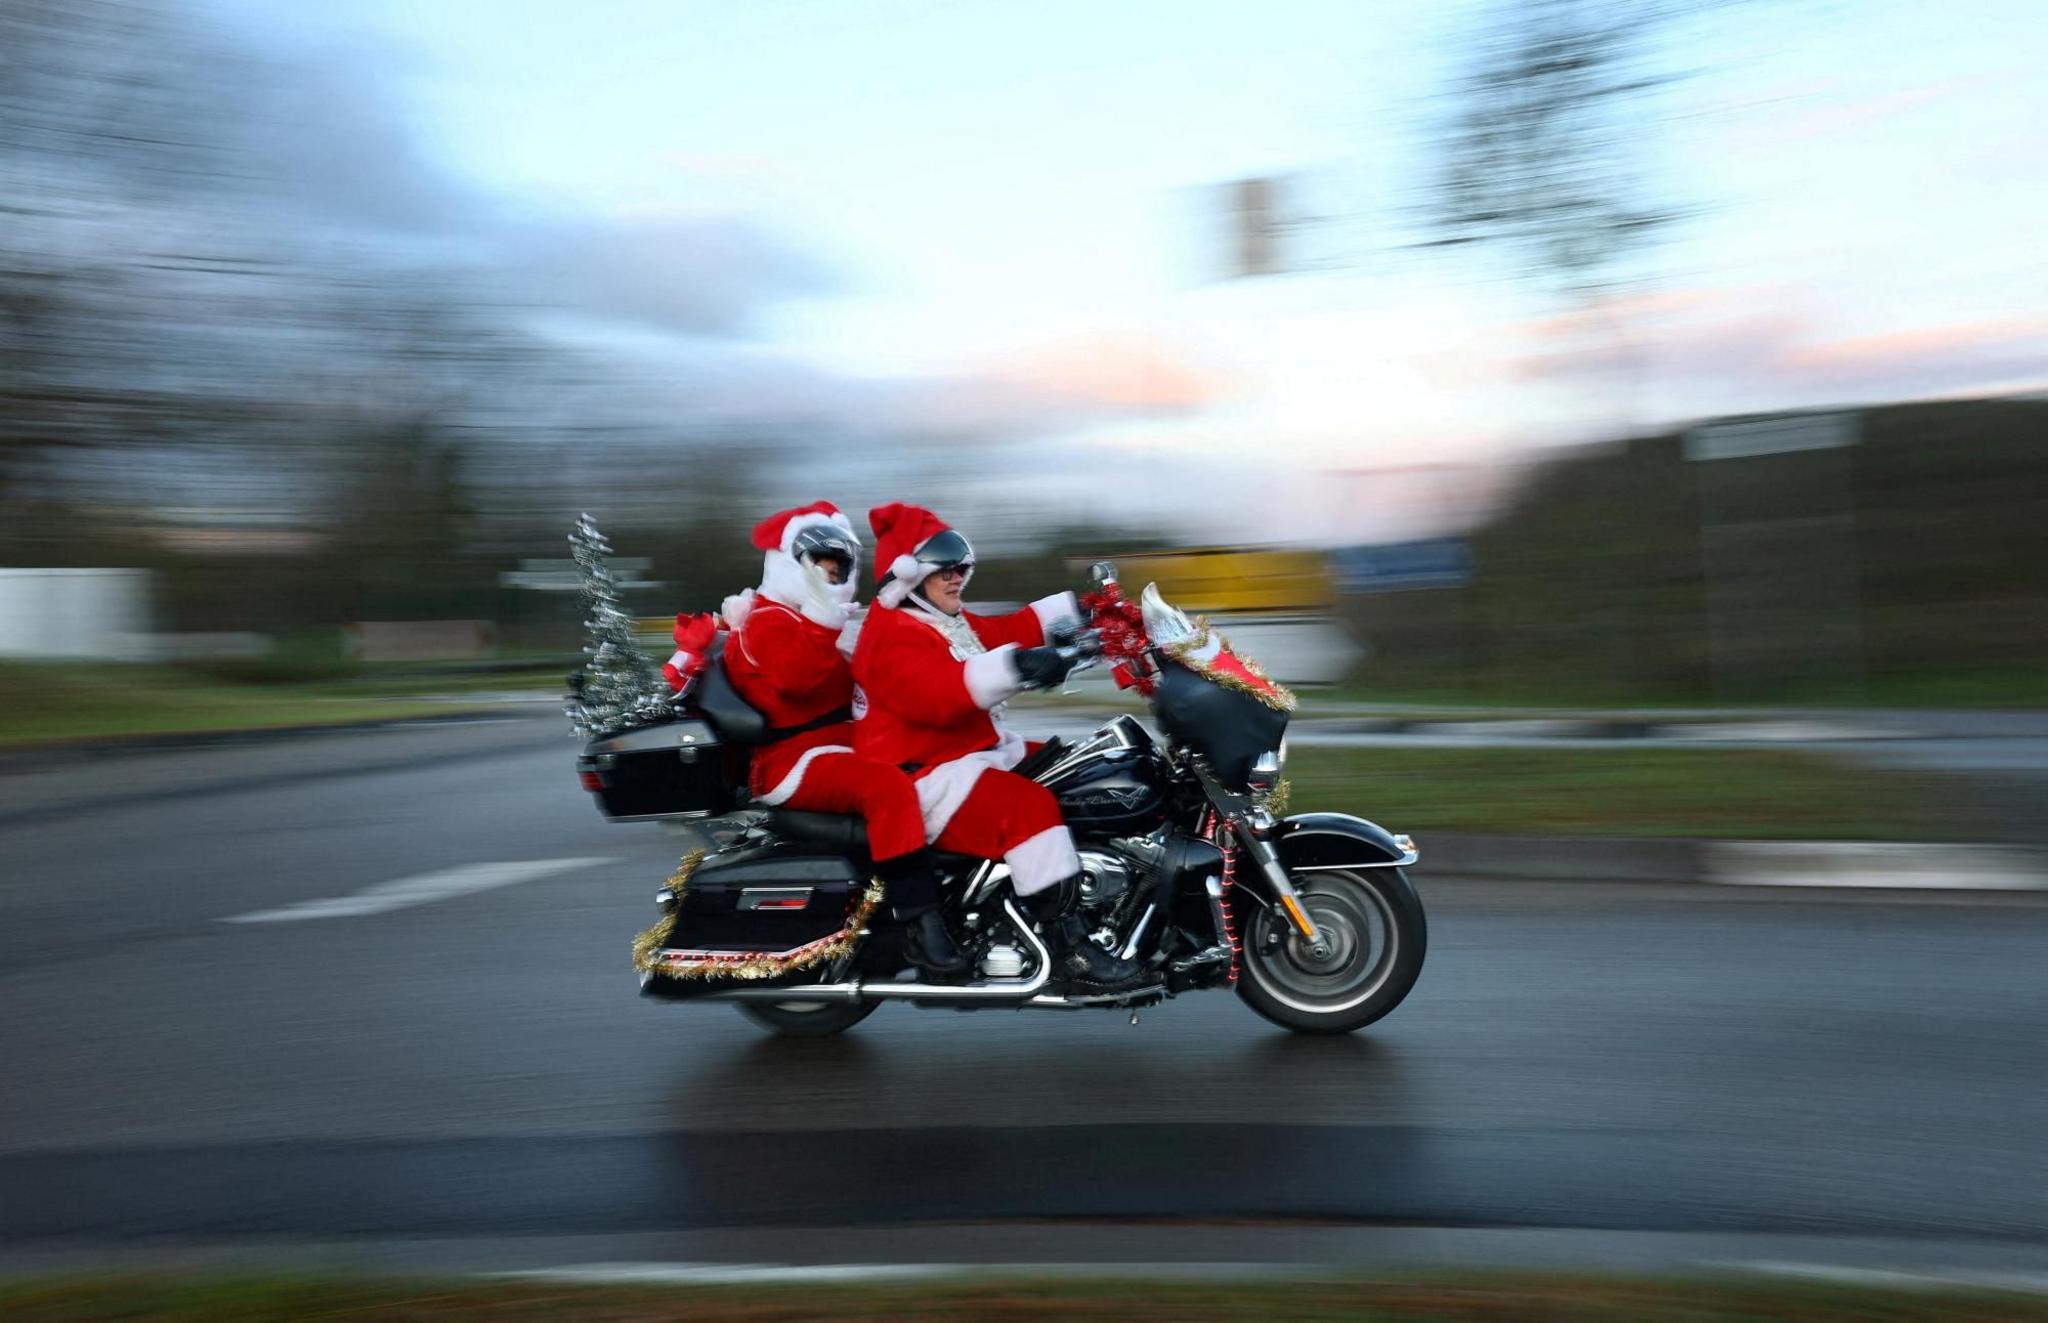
(841,833)
(844,833)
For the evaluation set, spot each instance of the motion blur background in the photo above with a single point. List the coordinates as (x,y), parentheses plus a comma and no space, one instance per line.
(1624,423)
(338,312)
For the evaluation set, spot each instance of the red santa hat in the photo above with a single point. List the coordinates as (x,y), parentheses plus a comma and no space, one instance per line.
(778,531)
(901,531)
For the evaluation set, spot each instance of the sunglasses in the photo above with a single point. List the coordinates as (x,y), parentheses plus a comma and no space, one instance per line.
(953,572)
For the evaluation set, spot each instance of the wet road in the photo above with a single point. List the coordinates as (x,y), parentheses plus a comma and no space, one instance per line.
(463,1054)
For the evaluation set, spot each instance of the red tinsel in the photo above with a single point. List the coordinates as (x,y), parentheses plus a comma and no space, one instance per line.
(1213,829)
(1121,623)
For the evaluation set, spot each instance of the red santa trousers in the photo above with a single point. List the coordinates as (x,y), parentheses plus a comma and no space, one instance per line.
(880,794)
(1014,819)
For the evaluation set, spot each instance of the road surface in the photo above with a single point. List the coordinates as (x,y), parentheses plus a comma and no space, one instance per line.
(377,987)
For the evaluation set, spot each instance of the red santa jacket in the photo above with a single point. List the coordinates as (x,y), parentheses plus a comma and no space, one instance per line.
(927,687)
(789,667)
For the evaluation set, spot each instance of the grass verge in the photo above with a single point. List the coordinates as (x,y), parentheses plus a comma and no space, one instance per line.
(48,704)
(1480,1300)
(1989,686)
(1765,794)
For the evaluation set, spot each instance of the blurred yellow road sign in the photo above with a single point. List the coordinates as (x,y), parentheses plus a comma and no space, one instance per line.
(1233,580)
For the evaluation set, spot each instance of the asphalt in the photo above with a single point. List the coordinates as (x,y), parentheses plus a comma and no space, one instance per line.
(1589,1059)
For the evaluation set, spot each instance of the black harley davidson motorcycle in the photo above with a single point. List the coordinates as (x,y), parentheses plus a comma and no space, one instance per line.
(1186,867)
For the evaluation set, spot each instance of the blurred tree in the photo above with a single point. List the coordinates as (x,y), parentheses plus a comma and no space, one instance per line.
(184,344)
(1539,157)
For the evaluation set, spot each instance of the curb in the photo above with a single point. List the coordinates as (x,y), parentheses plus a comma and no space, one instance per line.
(1841,865)
(1560,858)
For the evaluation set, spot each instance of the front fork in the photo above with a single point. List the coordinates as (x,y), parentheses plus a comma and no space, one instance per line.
(1267,858)
(1249,825)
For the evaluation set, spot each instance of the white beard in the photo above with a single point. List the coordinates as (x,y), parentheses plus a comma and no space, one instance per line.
(805,588)
(966,643)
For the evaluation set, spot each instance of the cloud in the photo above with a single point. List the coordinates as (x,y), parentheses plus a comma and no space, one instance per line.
(1722,350)
(1950,357)
(1113,373)
(691,275)
(1856,113)
(334,143)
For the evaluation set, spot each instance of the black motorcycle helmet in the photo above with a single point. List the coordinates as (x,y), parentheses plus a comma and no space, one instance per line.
(822,542)
(944,551)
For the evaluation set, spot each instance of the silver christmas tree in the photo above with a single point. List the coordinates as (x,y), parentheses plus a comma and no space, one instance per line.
(619,688)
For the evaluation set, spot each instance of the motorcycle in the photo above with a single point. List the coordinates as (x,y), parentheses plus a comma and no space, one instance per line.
(1187,868)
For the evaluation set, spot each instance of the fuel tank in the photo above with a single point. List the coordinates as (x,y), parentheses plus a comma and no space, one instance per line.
(1111,794)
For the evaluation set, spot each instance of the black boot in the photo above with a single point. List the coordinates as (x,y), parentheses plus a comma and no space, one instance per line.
(1077,961)
(931,948)
(911,884)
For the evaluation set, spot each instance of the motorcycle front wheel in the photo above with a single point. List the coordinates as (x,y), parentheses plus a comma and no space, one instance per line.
(1371,937)
(808,1019)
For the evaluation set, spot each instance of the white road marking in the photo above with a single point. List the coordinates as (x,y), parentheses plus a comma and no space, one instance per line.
(1873,864)
(2016,1282)
(737,1274)
(731,1274)
(419,890)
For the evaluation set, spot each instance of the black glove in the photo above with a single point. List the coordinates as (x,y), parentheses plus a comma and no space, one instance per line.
(1042,668)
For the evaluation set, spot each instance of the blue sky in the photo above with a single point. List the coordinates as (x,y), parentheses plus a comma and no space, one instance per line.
(976,191)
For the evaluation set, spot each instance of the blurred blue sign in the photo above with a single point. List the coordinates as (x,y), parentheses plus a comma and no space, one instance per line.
(1437,562)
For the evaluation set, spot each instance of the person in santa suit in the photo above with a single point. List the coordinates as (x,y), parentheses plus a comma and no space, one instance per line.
(932,679)
(788,657)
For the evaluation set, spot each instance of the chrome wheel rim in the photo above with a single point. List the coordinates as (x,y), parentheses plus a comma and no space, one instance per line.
(1351,960)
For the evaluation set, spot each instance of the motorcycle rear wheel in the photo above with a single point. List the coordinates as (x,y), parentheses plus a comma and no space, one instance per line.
(1374,937)
(795,1019)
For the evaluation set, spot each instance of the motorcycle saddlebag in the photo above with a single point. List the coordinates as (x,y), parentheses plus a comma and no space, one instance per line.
(767,899)
(675,769)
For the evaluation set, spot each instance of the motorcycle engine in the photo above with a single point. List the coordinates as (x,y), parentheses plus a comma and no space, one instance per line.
(1105,880)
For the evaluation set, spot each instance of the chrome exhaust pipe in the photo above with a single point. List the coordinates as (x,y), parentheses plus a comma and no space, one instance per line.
(1019,991)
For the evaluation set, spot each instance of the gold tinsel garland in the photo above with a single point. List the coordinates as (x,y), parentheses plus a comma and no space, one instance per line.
(1275,695)
(647,947)
(1274,801)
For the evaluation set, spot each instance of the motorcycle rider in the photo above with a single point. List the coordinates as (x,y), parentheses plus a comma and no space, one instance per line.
(788,657)
(931,680)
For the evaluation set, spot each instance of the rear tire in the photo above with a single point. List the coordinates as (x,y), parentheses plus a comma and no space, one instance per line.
(1374,936)
(793,1019)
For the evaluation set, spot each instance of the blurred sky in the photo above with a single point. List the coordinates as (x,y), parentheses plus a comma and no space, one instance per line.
(955,216)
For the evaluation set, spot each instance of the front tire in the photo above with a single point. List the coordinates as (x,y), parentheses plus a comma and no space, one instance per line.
(1374,937)
(797,1019)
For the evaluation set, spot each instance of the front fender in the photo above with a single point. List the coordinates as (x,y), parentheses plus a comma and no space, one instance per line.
(1338,840)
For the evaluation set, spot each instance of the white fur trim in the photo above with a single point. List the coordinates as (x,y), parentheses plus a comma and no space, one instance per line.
(737,608)
(992,677)
(815,520)
(1039,861)
(904,579)
(1051,610)
(680,659)
(942,790)
(791,779)
(849,633)
(804,588)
